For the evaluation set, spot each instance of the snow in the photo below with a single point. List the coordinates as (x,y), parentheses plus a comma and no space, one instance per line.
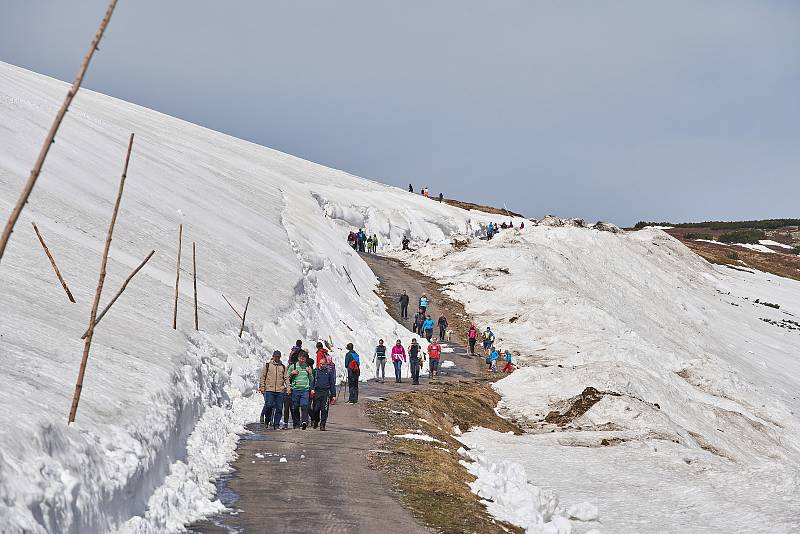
(447,364)
(161,410)
(757,248)
(712,241)
(418,437)
(700,413)
(770,243)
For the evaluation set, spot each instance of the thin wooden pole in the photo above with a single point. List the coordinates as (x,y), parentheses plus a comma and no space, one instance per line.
(87,344)
(51,134)
(239,315)
(121,289)
(243,316)
(351,280)
(53,263)
(194,278)
(177,280)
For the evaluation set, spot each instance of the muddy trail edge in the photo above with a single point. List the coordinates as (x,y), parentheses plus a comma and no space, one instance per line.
(314,481)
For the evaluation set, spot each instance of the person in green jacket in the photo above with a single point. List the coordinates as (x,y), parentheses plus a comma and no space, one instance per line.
(300,378)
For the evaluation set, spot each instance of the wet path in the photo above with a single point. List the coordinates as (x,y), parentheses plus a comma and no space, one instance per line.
(312,481)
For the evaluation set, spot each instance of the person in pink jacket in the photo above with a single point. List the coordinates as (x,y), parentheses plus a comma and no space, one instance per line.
(398,358)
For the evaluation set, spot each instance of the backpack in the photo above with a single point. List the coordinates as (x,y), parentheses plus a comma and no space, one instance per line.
(473,334)
(355,368)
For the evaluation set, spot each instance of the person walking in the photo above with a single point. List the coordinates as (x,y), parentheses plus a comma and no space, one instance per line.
(419,318)
(410,188)
(403,305)
(298,346)
(351,239)
(300,377)
(398,358)
(406,241)
(427,326)
(322,352)
(352,361)
(508,367)
(374,243)
(441,197)
(272,384)
(380,367)
(369,244)
(472,337)
(423,303)
(488,340)
(442,322)
(416,360)
(492,360)
(323,390)
(434,353)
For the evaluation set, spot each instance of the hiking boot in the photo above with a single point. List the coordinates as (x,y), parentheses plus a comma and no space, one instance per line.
(315,424)
(294,426)
(322,425)
(305,425)
(285,426)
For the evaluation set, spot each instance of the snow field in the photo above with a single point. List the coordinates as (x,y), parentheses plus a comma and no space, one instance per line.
(699,406)
(161,409)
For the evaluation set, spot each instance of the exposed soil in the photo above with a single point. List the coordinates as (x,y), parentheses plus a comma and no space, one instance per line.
(480,207)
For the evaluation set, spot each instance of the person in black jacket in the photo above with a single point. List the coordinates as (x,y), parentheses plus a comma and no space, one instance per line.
(403,305)
(324,391)
(442,326)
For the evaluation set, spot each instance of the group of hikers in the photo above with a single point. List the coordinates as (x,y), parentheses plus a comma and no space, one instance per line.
(423,323)
(361,242)
(489,351)
(413,356)
(493,228)
(424,192)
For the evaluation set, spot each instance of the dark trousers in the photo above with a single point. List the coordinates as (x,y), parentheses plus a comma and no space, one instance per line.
(320,405)
(415,370)
(404,311)
(287,408)
(300,407)
(352,385)
(273,402)
(472,346)
(428,334)
(441,332)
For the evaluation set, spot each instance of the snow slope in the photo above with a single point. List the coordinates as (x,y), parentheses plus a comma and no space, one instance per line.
(161,409)
(700,404)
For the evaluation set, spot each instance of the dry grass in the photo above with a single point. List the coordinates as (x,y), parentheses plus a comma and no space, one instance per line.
(481,207)
(785,265)
(431,481)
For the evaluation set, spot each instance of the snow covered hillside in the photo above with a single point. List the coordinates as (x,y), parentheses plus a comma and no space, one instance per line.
(160,408)
(694,426)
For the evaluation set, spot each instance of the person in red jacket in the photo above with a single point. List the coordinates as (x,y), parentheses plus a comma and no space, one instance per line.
(472,337)
(321,351)
(434,353)
(398,358)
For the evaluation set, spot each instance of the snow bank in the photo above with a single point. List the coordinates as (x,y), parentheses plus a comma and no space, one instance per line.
(771,243)
(161,409)
(757,248)
(696,384)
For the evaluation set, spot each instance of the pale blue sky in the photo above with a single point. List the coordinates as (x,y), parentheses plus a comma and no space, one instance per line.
(619,110)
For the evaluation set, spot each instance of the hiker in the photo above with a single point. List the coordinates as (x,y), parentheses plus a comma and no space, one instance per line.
(522,226)
(398,358)
(425,192)
(434,353)
(427,326)
(488,340)
(441,197)
(369,244)
(406,241)
(323,390)
(351,240)
(352,361)
(301,375)
(362,239)
(423,303)
(489,231)
(491,360)
(419,318)
(472,337)
(322,352)
(403,305)
(416,360)
(298,346)
(410,188)
(504,226)
(508,367)
(442,322)
(272,384)
(380,356)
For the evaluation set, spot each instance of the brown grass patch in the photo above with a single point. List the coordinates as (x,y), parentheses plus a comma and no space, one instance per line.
(428,476)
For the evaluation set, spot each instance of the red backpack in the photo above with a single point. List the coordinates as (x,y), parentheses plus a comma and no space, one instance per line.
(354,367)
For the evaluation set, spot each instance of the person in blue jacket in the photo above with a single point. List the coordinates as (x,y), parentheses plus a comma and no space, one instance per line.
(493,357)
(423,303)
(427,327)
(352,362)
(324,391)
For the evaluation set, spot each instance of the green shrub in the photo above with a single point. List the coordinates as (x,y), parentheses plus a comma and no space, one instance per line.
(742,236)
(695,235)
(764,224)
(732,255)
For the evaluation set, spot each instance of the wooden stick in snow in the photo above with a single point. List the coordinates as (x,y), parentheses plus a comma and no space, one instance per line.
(243,316)
(53,263)
(87,344)
(177,280)
(351,281)
(51,135)
(239,315)
(121,289)
(194,278)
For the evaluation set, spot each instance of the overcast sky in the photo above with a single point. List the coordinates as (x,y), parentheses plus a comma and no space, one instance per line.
(619,110)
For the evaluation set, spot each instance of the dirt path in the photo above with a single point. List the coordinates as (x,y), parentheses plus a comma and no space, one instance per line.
(313,481)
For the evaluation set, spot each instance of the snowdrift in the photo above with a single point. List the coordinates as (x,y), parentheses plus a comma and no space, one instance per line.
(161,408)
(695,425)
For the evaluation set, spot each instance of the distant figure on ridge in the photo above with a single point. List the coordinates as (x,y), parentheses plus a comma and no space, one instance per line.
(410,188)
